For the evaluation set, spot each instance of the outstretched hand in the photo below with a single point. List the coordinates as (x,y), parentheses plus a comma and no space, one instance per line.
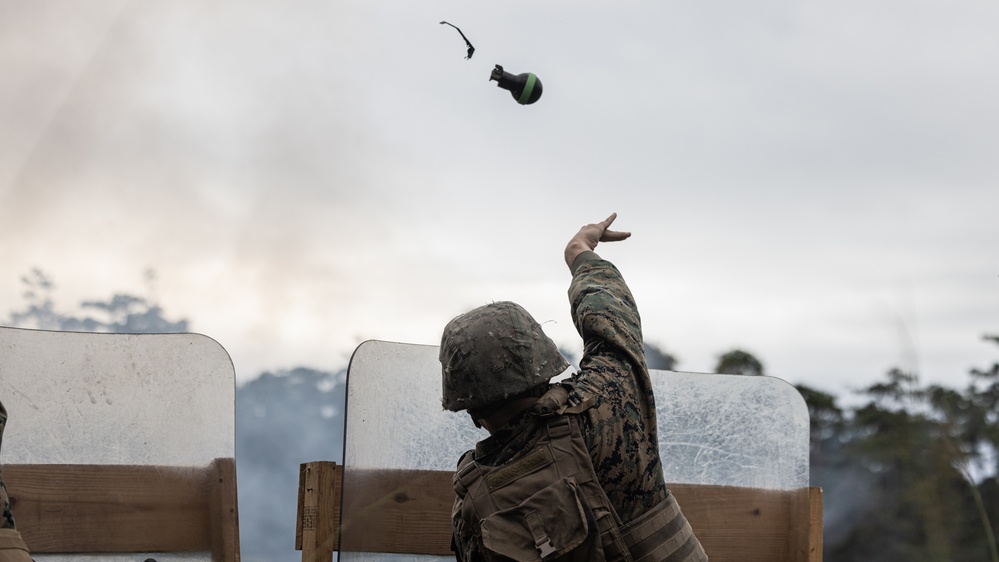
(590,235)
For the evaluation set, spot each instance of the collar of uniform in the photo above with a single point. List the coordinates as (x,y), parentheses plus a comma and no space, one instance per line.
(511,437)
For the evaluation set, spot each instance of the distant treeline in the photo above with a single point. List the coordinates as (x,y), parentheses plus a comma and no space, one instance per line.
(909,475)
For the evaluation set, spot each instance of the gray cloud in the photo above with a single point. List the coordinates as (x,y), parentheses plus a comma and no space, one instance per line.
(304,175)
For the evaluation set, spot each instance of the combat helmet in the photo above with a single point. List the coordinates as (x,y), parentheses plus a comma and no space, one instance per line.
(492,353)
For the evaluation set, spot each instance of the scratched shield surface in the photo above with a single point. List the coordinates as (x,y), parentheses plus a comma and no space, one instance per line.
(714,429)
(120,399)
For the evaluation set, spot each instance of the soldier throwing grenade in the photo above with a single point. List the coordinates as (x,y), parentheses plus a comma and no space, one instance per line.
(570,471)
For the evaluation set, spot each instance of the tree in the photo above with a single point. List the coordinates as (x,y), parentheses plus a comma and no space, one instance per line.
(122,313)
(826,419)
(657,358)
(913,468)
(918,507)
(739,362)
(982,424)
(39,311)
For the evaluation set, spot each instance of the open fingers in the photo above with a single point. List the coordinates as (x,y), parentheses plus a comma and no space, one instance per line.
(605,224)
(607,235)
(614,235)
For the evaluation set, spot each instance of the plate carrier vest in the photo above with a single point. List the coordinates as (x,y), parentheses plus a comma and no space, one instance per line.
(548,505)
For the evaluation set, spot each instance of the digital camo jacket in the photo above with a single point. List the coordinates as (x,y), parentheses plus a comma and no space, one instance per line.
(613,392)
(6,517)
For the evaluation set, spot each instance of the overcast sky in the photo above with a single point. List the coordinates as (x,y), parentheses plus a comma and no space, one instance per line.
(813,181)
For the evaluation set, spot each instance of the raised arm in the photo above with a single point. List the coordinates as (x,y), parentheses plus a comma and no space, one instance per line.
(603,308)
(613,383)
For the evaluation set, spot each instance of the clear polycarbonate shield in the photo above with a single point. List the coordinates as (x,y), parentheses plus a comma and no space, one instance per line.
(394,421)
(394,416)
(714,429)
(731,430)
(116,399)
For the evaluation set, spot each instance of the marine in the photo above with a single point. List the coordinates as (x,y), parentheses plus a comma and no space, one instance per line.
(12,547)
(570,470)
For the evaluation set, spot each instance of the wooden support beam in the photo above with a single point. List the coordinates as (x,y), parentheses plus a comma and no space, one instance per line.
(748,524)
(399,511)
(80,509)
(224,510)
(408,512)
(318,520)
(806,525)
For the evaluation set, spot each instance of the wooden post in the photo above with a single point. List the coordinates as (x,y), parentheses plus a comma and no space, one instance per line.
(806,525)
(223,511)
(318,522)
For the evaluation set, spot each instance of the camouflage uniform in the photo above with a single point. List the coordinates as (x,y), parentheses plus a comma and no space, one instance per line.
(613,392)
(12,548)
(6,517)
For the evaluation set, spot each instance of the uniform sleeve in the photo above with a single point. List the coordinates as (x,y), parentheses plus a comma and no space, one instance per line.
(606,317)
(3,422)
(6,517)
(613,390)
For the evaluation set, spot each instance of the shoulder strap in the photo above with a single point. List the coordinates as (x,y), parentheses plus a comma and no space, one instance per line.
(560,400)
(466,473)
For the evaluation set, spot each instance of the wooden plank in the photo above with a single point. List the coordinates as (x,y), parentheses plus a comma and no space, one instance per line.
(76,509)
(408,511)
(309,514)
(107,508)
(299,512)
(816,524)
(330,482)
(318,517)
(397,511)
(223,511)
(806,525)
(736,523)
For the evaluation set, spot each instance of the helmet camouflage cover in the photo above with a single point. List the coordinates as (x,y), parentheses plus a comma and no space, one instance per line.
(495,352)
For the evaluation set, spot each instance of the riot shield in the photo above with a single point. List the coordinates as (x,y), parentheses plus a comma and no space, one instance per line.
(155,403)
(714,429)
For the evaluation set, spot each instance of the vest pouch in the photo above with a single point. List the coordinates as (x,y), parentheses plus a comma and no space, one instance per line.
(554,524)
